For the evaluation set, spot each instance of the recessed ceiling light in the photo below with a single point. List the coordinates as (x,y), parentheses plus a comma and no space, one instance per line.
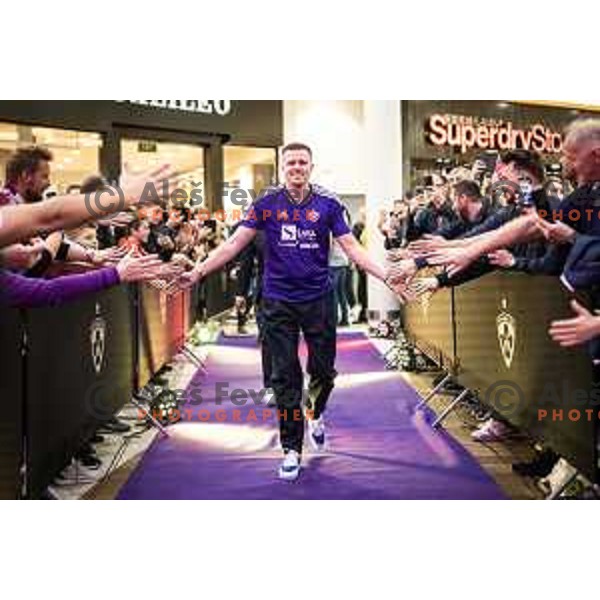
(503,104)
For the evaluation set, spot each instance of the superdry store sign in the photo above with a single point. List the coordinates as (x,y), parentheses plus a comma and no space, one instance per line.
(466,133)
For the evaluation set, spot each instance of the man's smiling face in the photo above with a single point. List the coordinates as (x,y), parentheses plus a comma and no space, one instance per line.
(297,168)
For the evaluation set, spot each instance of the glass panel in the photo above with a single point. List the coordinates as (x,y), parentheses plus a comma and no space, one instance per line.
(76,153)
(249,169)
(185,158)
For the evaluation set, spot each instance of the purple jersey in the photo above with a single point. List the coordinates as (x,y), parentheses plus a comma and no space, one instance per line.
(297,240)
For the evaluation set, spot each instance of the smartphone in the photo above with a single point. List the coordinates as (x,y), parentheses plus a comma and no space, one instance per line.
(488,159)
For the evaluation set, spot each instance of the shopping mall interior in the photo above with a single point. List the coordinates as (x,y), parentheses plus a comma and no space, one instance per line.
(413,414)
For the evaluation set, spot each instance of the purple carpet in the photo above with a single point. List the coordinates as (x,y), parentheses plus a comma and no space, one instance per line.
(379,448)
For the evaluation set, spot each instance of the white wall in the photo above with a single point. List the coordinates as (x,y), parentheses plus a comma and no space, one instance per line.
(334,131)
(383,146)
(357,149)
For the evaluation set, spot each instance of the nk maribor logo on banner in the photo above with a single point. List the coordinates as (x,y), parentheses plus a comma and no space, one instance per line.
(98,340)
(507,334)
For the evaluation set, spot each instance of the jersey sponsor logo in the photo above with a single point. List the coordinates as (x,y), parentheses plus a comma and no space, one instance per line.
(289,233)
(307,235)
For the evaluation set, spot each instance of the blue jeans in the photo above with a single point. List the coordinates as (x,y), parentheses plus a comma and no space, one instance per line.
(340,276)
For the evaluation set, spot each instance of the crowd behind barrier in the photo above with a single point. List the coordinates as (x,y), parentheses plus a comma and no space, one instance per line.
(54,400)
(492,334)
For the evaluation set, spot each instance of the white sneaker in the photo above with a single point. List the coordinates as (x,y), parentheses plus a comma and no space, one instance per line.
(491,431)
(316,430)
(559,475)
(290,467)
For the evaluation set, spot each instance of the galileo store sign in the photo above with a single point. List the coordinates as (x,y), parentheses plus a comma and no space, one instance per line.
(209,107)
(492,134)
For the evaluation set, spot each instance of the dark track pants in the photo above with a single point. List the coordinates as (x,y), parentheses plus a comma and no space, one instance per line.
(283,323)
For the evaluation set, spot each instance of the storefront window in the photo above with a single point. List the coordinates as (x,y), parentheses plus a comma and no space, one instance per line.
(249,169)
(139,155)
(76,153)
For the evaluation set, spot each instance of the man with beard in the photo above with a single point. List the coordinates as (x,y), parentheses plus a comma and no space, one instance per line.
(27,178)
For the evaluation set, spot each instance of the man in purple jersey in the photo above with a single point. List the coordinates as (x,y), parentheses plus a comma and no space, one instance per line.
(298,220)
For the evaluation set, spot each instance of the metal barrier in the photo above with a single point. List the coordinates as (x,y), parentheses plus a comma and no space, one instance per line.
(428,323)
(502,351)
(66,370)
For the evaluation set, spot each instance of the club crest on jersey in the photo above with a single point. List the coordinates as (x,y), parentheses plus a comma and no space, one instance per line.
(313,215)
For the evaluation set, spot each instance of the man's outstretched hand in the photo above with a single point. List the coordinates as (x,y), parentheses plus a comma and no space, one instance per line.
(401,272)
(558,232)
(402,291)
(454,259)
(427,243)
(425,285)
(191,278)
(578,330)
(502,258)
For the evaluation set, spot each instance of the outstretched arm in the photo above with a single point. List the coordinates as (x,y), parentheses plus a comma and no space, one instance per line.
(24,221)
(522,229)
(220,256)
(358,255)
(23,292)
(577,330)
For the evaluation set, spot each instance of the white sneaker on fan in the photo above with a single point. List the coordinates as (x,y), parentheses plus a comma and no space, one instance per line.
(560,474)
(491,431)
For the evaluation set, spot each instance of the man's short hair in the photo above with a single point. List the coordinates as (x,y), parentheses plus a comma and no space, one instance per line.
(296,146)
(527,160)
(93,184)
(139,223)
(582,129)
(26,160)
(467,188)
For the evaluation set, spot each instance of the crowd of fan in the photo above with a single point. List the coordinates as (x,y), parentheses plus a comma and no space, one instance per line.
(456,226)
(508,214)
(175,237)
(148,243)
